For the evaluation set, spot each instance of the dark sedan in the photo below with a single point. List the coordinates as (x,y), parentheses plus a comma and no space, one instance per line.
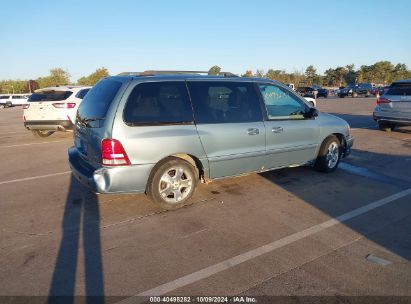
(310,91)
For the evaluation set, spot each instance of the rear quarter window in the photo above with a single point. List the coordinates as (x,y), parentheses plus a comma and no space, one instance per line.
(158,103)
(97,101)
(82,93)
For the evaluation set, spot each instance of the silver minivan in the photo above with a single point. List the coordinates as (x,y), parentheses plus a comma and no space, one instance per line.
(163,132)
(394,106)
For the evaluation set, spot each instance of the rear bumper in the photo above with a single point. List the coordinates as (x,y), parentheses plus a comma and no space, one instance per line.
(56,125)
(122,179)
(386,117)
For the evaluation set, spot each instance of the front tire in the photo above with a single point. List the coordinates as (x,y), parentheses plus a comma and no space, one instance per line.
(42,133)
(172,183)
(329,155)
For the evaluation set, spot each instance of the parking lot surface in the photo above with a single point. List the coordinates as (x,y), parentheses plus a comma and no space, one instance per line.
(288,232)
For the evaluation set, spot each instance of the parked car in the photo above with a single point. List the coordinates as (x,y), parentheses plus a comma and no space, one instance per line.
(291,86)
(310,91)
(53,109)
(379,90)
(354,90)
(11,100)
(321,92)
(394,106)
(311,101)
(162,134)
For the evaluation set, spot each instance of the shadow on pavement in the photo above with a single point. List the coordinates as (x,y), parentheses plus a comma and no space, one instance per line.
(384,226)
(81,230)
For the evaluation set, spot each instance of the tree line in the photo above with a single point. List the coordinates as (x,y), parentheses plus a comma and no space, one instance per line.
(57,77)
(381,73)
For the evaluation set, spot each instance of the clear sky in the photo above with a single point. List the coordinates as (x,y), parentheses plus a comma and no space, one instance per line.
(132,35)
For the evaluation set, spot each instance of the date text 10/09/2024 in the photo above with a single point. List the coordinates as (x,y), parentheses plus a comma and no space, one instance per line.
(203,299)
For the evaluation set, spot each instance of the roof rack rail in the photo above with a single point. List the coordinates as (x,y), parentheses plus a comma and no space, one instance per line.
(163,72)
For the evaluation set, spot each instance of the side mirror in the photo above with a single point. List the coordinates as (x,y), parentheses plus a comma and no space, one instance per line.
(312,112)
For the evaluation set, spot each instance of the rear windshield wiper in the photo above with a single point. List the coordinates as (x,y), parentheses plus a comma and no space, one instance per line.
(86,121)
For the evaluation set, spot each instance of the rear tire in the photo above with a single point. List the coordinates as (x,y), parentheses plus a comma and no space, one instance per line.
(385,127)
(172,183)
(329,155)
(42,133)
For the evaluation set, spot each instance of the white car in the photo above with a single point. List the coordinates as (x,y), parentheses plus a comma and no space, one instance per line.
(11,100)
(311,101)
(53,109)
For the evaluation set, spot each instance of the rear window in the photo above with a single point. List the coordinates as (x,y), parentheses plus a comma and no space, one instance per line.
(50,96)
(4,97)
(400,89)
(158,103)
(97,101)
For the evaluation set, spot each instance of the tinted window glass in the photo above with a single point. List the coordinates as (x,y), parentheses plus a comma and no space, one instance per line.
(82,93)
(4,97)
(158,102)
(97,101)
(400,89)
(50,96)
(280,103)
(224,102)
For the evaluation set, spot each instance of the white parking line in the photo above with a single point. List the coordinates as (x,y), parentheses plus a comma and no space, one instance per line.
(37,143)
(249,255)
(33,177)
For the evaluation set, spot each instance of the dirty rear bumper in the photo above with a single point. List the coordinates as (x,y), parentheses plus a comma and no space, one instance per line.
(55,125)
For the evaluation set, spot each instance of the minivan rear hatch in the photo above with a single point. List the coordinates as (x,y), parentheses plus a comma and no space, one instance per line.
(90,127)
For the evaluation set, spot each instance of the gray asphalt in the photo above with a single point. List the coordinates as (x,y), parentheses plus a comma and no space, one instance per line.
(57,238)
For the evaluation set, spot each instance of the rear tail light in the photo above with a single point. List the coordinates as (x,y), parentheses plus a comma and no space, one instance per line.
(383,101)
(63,105)
(113,153)
(26,106)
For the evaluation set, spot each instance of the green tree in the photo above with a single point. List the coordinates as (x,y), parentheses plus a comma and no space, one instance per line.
(214,70)
(401,72)
(93,78)
(311,75)
(382,72)
(351,75)
(57,77)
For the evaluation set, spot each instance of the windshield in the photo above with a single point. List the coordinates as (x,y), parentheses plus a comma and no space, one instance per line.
(50,96)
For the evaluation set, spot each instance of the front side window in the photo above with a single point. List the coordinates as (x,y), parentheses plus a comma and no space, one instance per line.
(224,102)
(158,103)
(280,103)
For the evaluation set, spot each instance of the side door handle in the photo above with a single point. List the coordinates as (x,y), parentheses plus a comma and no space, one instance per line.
(253,131)
(277,130)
